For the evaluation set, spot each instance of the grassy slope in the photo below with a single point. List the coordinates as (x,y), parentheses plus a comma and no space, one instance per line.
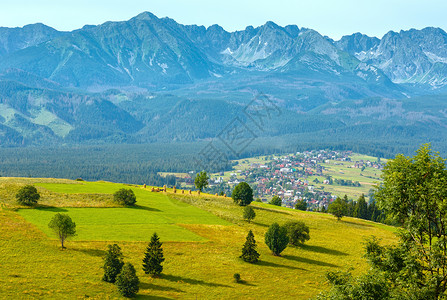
(32,264)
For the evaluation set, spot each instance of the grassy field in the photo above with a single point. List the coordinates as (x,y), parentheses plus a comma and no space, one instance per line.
(154,212)
(33,266)
(344,170)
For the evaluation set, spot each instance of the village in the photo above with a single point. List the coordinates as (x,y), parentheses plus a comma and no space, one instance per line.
(318,177)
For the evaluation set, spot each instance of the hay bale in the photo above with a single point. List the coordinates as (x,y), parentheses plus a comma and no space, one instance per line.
(174,189)
(225,195)
(217,194)
(198,192)
(144,186)
(158,189)
(152,190)
(190,192)
(164,188)
(183,191)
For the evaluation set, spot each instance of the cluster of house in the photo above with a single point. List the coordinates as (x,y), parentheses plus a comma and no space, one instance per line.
(289,177)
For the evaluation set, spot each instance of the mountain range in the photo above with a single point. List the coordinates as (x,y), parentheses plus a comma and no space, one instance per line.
(152,79)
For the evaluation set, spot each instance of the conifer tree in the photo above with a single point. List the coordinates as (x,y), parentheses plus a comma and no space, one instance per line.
(113,263)
(153,257)
(127,281)
(249,253)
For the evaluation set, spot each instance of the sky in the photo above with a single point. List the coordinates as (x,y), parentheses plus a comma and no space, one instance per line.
(333,18)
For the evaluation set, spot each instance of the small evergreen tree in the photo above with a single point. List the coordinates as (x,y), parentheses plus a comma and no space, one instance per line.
(113,263)
(153,257)
(27,195)
(276,238)
(249,213)
(249,253)
(361,208)
(127,281)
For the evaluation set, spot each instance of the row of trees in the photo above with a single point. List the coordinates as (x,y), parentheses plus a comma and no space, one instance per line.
(341,207)
(276,238)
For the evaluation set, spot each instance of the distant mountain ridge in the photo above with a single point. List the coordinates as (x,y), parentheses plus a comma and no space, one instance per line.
(413,56)
(152,79)
(149,52)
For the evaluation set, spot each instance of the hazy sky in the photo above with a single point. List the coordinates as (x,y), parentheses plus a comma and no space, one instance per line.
(334,18)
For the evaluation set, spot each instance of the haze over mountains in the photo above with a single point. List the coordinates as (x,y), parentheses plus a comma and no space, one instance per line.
(150,79)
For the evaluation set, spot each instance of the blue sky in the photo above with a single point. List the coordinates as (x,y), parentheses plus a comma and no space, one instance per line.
(334,18)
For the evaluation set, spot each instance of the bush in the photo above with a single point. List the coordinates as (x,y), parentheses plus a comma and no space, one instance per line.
(301,205)
(276,238)
(113,263)
(298,232)
(27,195)
(242,194)
(249,213)
(127,281)
(125,196)
(237,277)
(276,201)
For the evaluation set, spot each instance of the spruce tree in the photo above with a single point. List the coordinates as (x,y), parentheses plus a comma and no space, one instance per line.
(249,253)
(153,257)
(127,281)
(113,263)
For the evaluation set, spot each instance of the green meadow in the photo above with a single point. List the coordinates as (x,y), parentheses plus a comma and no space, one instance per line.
(153,212)
(202,239)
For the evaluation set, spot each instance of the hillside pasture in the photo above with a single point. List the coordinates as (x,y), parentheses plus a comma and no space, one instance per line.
(200,261)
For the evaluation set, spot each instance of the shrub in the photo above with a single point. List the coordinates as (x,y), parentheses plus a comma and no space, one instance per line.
(298,232)
(242,194)
(249,213)
(237,277)
(113,263)
(27,195)
(127,281)
(125,196)
(301,205)
(276,201)
(276,239)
